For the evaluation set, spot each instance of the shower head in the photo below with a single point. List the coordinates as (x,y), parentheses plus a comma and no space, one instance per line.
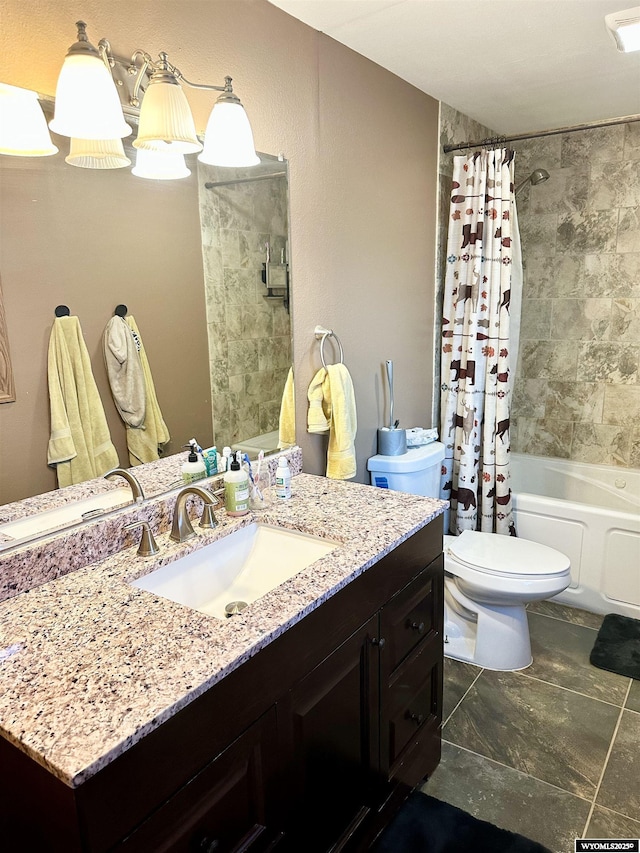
(538,176)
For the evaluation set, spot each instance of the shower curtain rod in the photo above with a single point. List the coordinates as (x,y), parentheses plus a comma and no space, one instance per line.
(500,140)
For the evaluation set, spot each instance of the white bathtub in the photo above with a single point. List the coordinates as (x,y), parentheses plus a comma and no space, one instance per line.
(592,514)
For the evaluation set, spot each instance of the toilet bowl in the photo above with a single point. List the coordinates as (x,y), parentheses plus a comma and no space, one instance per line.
(489,579)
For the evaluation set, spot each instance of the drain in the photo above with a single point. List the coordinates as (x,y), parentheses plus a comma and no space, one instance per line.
(234,607)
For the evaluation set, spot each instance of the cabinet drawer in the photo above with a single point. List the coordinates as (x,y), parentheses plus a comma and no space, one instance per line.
(411,617)
(414,700)
(224,804)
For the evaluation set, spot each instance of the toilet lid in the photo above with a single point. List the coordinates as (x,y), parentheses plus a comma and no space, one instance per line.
(506,555)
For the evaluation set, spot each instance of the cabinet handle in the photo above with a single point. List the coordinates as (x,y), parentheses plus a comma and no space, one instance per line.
(419,627)
(208,845)
(379,642)
(418,719)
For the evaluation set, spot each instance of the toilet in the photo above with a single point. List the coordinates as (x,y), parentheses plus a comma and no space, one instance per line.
(489,578)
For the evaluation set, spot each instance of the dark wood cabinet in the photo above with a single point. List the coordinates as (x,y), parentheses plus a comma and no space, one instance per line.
(309,745)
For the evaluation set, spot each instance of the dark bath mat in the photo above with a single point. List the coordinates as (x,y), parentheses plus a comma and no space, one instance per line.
(617,646)
(427,825)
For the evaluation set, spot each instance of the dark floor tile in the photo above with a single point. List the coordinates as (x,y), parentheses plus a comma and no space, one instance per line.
(458,677)
(566,613)
(508,798)
(633,699)
(608,824)
(620,788)
(548,732)
(561,656)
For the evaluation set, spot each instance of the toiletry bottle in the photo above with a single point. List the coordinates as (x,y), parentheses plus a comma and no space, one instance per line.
(223,461)
(193,468)
(236,488)
(283,479)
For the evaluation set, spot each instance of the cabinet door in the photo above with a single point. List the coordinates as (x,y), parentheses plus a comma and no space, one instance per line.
(225,808)
(329,725)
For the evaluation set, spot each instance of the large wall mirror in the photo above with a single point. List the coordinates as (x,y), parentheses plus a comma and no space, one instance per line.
(187,257)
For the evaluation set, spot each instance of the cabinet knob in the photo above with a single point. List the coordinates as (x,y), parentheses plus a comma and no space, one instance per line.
(418,719)
(379,642)
(418,626)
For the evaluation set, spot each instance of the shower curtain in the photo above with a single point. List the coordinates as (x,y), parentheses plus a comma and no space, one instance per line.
(477,362)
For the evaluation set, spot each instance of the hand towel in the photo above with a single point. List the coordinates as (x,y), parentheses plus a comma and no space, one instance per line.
(341,455)
(80,446)
(145,443)
(287,422)
(124,371)
(318,417)
(332,409)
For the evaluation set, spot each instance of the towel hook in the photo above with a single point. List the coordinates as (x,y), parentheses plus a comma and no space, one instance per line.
(322,334)
(62,311)
(120,311)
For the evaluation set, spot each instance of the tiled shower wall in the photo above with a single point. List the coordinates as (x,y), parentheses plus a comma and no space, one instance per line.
(249,335)
(577,391)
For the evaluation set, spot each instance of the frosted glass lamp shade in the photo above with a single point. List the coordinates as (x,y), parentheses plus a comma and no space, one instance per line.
(87,103)
(165,118)
(23,127)
(228,139)
(167,165)
(97,154)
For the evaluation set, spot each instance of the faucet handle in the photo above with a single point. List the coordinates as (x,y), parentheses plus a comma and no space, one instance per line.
(208,519)
(148,545)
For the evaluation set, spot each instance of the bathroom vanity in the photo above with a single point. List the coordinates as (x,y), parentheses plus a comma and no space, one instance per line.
(133,723)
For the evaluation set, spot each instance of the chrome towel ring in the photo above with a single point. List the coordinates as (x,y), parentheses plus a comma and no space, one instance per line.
(322,334)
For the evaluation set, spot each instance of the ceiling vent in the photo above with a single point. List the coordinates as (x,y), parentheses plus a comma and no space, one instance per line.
(625,29)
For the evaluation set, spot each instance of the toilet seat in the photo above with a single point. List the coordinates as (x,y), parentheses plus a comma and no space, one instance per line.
(504,556)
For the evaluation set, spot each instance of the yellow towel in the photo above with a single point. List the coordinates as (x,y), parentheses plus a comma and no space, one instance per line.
(319,411)
(145,442)
(287,422)
(80,446)
(332,406)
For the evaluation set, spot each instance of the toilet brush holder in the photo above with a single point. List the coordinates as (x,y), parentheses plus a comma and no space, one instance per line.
(392,442)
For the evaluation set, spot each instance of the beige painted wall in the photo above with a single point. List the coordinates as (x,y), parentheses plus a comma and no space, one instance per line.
(362,147)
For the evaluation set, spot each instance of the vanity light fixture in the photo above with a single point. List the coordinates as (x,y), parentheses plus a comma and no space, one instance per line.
(87,102)
(93,82)
(625,29)
(23,127)
(97,154)
(160,165)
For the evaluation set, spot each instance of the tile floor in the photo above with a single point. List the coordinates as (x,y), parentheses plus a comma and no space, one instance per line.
(551,752)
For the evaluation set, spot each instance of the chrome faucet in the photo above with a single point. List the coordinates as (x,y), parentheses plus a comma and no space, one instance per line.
(181,529)
(136,488)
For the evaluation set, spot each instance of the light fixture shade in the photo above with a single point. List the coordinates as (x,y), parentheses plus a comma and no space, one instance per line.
(165,117)
(97,154)
(87,103)
(625,28)
(167,165)
(23,127)
(228,139)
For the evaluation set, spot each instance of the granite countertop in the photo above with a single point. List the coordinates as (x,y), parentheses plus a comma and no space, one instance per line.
(90,664)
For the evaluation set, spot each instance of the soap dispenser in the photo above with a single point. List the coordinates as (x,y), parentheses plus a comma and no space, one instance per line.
(194,468)
(236,487)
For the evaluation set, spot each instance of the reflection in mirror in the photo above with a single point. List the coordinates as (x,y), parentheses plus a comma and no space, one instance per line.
(187,258)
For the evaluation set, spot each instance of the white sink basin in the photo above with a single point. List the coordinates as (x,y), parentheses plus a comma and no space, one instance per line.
(242,566)
(66,515)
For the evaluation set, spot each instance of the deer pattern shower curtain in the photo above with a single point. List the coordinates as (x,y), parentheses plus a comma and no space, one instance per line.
(476,367)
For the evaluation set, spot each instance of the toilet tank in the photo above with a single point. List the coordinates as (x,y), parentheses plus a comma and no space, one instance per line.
(417,471)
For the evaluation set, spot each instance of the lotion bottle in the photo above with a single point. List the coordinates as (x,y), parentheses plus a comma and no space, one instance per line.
(236,488)
(194,468)
(283,479)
